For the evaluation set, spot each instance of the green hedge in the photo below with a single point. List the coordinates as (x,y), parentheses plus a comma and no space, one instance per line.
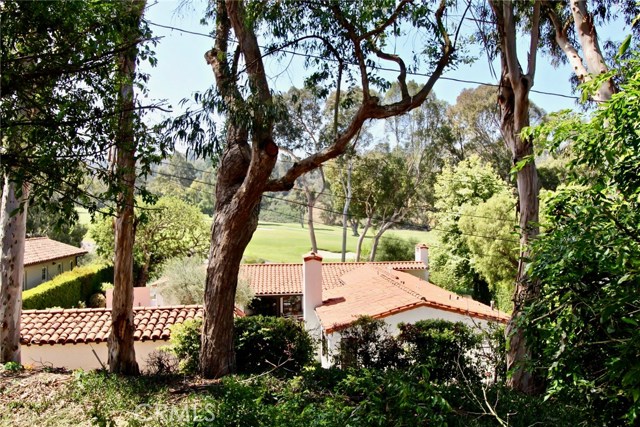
(66,290)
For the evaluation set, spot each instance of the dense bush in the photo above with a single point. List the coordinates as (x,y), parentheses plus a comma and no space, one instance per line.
(185,344)
(449,350)
(184,279)
(262,343)
(584,326)
(97,300)
(445,347)
(366,343)
(316,397)
(68,289)
(394,248)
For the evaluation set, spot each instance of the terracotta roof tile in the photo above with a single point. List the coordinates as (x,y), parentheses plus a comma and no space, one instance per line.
(43,249)
(380,292)
(286,279)
(75,326)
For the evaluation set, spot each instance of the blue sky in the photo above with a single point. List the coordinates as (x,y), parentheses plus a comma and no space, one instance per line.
(182,70)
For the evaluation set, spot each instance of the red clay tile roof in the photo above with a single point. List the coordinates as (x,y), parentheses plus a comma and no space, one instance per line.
(286,279)
(379,292)
(88,325)
(43,249)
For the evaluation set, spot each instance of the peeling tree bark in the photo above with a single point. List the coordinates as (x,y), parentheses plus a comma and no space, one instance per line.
(592,61)
(122,356)
(12,235)
(514,107)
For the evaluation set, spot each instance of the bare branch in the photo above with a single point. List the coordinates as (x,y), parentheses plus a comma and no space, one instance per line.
(533,42)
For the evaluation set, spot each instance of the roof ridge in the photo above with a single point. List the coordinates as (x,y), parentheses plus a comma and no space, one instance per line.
(397,282)
(104,309)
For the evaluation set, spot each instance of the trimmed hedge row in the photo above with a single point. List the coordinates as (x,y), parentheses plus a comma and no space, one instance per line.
(66,290)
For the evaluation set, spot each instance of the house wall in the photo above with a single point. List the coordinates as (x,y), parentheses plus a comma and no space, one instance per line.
(420,274)
(33,273)
(80,356)
(332,340)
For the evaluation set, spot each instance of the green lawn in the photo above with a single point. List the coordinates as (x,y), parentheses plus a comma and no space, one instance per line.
(287,242)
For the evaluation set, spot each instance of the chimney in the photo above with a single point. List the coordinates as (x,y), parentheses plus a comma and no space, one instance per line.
(311,289)
(422,255)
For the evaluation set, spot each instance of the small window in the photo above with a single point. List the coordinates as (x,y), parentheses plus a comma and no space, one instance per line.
(44,273)
(59,268)
(71,265)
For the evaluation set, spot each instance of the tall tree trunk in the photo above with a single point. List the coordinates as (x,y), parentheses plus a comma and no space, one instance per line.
(513,99)
(515,116)
(311,201)
(354,226)
(122,356)
(236,219)
(345,212)
(361,239)
(12,235)
(376,239)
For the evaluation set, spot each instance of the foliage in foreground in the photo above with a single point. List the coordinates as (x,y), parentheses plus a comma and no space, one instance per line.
(262,344)
(315,397)
(585,325)
(450,351)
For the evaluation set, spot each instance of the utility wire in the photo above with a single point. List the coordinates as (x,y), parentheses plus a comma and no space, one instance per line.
(423,207)
(379,68)
(401,223)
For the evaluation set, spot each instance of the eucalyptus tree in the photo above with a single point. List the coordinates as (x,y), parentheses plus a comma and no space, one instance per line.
(127,147)
(570,35)
(341,42)
(58,106)
(513,99)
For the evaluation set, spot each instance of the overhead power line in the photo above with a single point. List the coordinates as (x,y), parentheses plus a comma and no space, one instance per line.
(341,196)
(400,223)
(410,73)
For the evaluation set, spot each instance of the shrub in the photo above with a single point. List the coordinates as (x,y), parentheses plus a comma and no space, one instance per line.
(368,344)
(161,362)
(263,343)
(444,347)
(68,289)
(185,344)
(393,248)
(97,300)
(185,279)
(184,282)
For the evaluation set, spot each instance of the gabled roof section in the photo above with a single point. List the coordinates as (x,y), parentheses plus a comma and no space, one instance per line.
(93,325)
(286,279)
(42,249)
(378,292)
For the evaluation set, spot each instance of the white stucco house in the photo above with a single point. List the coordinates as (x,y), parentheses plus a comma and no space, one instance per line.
(330,296)
(45,258)
(77,338)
